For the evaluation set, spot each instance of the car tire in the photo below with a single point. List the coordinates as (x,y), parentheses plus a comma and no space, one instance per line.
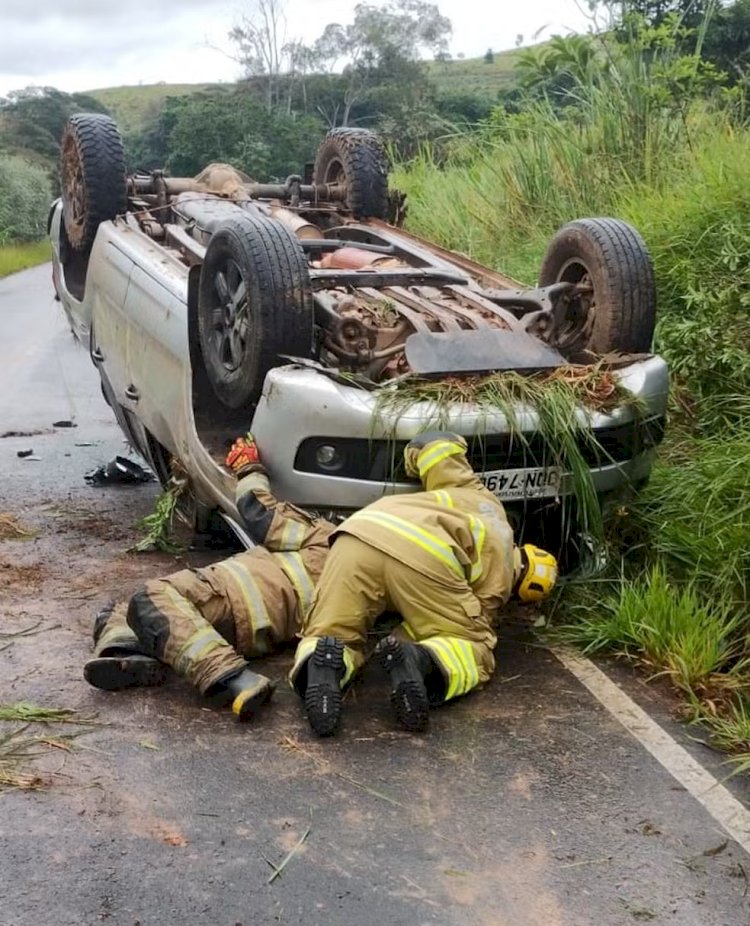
(610,256)
(93,180)
(254,303)
(356,158)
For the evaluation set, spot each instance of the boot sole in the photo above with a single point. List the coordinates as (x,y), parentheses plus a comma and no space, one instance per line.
(115,673)
(408,693)
(323,693)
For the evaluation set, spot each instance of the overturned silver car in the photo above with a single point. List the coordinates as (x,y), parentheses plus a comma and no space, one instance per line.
(215,305)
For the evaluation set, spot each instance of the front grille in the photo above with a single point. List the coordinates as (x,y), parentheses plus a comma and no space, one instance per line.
(383,461)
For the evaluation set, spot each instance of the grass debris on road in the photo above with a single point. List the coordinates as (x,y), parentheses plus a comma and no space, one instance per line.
(21,750)
(11,528)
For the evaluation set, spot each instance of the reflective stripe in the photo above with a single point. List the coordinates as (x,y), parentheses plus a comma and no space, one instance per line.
(436,454)
(292,535)
(111,636)
(422,538)
(200,644)
(252,483)
(256,607)
(457,659)
(465,653)
(452,665)
(478,532)
(305,649)
(443,498)
(294,567)
(348,665)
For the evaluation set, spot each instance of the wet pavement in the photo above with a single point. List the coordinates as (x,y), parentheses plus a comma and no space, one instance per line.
(526,804)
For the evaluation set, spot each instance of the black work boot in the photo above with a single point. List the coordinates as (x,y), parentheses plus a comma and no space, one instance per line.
(407,665)
(121,670)
(325,669)
(249,691)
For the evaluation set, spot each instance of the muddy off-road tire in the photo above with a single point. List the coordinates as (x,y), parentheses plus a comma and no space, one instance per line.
(94,185)
(610,256)
(355,157)
(254,303)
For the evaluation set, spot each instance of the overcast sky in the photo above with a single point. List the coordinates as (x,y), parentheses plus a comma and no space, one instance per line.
(87,44)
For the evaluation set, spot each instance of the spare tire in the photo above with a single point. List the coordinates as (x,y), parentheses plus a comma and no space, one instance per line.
(356,158)
(94,184)
(618,311)
(254,303)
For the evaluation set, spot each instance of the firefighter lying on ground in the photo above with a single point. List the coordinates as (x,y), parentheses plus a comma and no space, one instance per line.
(206,623)
(445,560)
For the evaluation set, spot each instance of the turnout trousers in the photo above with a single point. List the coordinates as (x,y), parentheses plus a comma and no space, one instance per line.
(360,582)
(205,623)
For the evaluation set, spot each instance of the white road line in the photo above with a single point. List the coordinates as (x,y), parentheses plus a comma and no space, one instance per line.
(728,812)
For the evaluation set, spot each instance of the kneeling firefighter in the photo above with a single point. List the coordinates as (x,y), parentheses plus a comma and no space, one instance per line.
(445,560)
(206,623)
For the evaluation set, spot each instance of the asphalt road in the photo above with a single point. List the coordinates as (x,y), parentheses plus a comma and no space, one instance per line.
(527,804)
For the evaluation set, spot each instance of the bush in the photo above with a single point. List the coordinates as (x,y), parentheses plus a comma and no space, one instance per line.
(25,195)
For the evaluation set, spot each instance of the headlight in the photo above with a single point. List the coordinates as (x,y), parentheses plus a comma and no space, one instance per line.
(328,458)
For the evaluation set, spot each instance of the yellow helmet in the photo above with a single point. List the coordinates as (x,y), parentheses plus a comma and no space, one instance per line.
(536,573)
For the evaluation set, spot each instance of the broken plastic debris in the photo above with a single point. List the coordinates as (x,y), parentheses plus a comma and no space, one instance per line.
(64,423)
(119,471)
(24,453)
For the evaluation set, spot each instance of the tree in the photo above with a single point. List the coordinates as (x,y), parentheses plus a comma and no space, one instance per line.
(262,48)
(33,118)
(559,66)
(377,42)
(236,128)
(688,13)
(24,200)
(727,40)
(489,57)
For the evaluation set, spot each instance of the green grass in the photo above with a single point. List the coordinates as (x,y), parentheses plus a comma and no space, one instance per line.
(15,257)
(158,526)
(673,629)
(695,513)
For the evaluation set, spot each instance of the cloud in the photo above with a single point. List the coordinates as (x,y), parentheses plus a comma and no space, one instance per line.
(90,12)
(86,35)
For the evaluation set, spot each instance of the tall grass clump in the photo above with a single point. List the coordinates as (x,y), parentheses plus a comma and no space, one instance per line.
(672,628)
(694,515)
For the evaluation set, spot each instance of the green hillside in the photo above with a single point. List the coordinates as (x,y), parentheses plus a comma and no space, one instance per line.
(475,75)
(135,106)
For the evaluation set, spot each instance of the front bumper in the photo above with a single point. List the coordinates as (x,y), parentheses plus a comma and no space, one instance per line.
(301,408)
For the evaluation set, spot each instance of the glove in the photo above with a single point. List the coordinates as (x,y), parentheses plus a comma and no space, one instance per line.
(243,455)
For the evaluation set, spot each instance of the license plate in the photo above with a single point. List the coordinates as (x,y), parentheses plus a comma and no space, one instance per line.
(541,482)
